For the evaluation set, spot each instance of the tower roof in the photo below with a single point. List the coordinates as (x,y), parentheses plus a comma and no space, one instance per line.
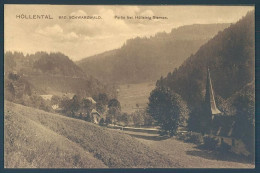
(210,97)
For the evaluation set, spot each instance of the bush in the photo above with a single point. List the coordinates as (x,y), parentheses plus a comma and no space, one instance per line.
(195,138)
(210,143)
(102,122)
(9,91)
(138,118)
(88,118)
(182,136)
(224,147)
(244,129)
(100,107)
(35,101)
(108,119)
(55,100)
(192,137)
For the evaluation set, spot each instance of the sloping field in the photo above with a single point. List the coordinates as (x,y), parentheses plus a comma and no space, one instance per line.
(131,94)
(37,139)
(30,144)
(34,138)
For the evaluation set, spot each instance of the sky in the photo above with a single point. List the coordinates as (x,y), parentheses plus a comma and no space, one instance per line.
(81,38)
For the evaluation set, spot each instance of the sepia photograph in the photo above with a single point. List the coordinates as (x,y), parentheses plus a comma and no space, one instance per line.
(129,86)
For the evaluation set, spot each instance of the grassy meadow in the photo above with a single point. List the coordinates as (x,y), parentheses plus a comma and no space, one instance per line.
(131,94)
(37,139)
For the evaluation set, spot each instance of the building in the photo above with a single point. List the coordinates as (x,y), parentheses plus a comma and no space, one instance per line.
(210,97)
(91,99)
(95,116)
(210,107)
(216,122)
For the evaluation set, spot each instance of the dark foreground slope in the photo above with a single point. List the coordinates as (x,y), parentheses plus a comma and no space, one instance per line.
(29,144)
(35,138)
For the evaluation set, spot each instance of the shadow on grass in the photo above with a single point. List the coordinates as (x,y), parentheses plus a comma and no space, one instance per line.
(218,155)
(154,138)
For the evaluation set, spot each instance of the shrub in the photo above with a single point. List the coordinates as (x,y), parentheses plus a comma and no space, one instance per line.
(55,100)
(114,103)
(138,118)
(182,136)
(88,118)
(192,137)
(108,119)
(100,107)
(102,122)
(224,147)
(244,129)
(195,138)
(210,143)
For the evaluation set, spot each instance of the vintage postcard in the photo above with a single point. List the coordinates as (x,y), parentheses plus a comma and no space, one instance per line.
(129,86)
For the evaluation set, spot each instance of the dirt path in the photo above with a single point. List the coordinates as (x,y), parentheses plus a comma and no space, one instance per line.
(186,154)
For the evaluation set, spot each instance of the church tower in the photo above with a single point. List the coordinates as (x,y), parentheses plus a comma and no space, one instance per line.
(210,107)
(210,97)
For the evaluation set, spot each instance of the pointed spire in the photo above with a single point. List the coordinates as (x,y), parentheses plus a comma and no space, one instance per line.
(210,97)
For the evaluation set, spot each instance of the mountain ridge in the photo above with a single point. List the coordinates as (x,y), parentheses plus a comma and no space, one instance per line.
(146,59)
(230,58)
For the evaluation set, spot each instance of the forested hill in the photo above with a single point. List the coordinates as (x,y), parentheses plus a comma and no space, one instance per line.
(53,72)
(146,59)
(230,58)
(42,63)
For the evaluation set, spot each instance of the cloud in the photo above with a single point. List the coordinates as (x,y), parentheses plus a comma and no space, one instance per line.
(57,33)
(88,29)
(84,37)
(78,13)
(147,13)
(127,10)
(105,26)
(108,26)
(52,30)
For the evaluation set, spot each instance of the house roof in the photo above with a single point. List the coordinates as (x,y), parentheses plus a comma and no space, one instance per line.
(46,97)
(94,111)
